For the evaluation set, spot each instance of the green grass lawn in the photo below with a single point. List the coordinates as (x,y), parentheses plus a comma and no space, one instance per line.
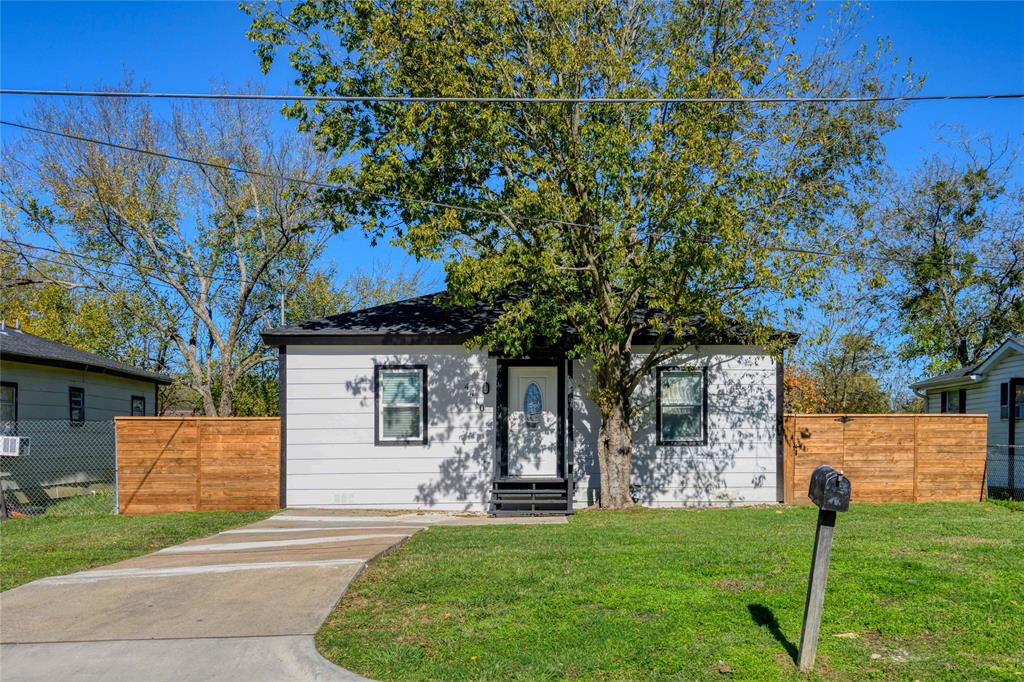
(928,591)
(55,544)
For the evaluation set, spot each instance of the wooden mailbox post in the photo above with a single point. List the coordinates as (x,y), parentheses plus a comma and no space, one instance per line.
(830,490)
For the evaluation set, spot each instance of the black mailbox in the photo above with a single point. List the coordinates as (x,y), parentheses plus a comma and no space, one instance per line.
(830,490)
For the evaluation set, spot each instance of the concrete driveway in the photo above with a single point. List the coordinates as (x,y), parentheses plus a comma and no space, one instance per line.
(243,604)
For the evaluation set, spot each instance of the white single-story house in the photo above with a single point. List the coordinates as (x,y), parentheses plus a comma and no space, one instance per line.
(386,408)
(994,386)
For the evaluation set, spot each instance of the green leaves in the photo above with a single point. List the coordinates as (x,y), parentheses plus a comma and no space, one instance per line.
(589,212)
(954,237)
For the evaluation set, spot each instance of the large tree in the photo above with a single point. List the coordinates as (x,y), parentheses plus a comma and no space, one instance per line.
(589,212)
(847,376)
(953,235)
(192,257)
(48,300)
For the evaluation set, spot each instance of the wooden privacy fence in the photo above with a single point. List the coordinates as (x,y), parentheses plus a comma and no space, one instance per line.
(889,457)
(171,464)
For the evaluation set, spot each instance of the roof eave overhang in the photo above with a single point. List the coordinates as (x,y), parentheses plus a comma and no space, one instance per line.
(329,339)
(998,353)
(945,383)
(364,339)
(979,370)
(69,364)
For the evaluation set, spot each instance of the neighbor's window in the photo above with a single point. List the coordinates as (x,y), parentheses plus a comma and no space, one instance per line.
(681,406)
(8,408)
(76,405)
(1004,400)
(953,402)
(401,404)
(138,406)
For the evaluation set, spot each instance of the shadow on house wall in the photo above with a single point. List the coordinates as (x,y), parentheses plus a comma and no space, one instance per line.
(460,425)
(737,464)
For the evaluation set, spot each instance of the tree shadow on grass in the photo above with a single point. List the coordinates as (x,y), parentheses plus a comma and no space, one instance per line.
(764,617)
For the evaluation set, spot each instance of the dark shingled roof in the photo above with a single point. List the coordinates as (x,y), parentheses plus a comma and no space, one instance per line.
(963,372)
(943,378)
(19,346)
(419,316)
(414,320)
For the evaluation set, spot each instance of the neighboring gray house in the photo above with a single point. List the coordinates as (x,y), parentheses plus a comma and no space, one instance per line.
(56,407)
(43,379)
(385,408)
(994,386)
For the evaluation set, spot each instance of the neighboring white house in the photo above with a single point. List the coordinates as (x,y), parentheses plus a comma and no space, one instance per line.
(386,408)
(57,404)
(994,386)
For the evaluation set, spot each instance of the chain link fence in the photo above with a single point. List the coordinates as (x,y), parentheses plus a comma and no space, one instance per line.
(1006,472)
(57,467)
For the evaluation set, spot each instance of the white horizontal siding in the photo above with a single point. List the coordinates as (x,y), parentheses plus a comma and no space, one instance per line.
(438,436)
(332,458)
(738,464)
(383,498)
(333,461)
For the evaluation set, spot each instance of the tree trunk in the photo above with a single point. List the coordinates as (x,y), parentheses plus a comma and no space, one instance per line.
(226,408)
(615,454)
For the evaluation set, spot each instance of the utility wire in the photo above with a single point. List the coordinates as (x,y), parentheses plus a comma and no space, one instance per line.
(154,280)
(416,99)
(479,211)
(105,261)
(300,181)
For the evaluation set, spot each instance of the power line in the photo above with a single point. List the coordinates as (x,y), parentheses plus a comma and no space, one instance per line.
(301,181)
(471,209)
(424,99)
(100,259)
(131,277)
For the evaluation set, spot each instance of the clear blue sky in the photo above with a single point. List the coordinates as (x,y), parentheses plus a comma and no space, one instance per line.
(189,46)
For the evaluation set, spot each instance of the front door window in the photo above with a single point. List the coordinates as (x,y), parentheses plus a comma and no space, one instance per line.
(533,406)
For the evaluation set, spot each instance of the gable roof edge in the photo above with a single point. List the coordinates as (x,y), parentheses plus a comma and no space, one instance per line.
(973,375)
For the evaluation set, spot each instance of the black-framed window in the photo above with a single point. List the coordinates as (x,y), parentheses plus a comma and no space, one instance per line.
(8,408)
(953,402)
(76,405)
(682,405)
(400,404)
(1004,401)
(138,406)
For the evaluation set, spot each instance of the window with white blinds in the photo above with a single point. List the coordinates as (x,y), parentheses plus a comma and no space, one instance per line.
(681,406)
(401,404)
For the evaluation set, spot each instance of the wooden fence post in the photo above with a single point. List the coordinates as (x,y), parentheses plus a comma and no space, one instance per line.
(199,465)
(914,493)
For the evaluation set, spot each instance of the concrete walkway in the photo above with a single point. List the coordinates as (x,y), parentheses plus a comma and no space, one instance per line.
(243,604)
